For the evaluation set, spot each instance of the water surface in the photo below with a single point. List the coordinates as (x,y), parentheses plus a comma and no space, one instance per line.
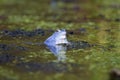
(92,26)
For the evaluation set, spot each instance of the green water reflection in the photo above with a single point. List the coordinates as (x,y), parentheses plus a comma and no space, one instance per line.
(99,19)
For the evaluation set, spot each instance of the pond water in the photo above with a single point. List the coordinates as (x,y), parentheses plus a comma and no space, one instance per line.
(92,27)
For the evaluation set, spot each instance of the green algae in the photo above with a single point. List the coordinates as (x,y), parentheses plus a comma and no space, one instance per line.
(97,17)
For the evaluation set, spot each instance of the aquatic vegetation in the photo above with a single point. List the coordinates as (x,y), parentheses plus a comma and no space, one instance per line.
(92,27)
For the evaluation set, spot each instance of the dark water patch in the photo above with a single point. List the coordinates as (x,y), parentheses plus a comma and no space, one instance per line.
(71,32)
(77,31)
(111,46)
(117,19)
(112,6)
(115,6)
(96,27)
(15,33)
(101,16)
(35,44)
(50,67)
(108,30)
(69,1)
(4,47)
(2,17)
(82,30)
(79,45)
(74,8)
(37,32)
(21,48)
(6,58)
(2,77)
(7,47)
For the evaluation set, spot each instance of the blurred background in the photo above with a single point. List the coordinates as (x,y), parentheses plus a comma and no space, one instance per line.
(92,26)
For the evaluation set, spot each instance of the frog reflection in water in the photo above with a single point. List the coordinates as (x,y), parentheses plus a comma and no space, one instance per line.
(59,51)
(57,43)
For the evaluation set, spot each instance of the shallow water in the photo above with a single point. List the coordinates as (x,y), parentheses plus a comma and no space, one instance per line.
(92,27)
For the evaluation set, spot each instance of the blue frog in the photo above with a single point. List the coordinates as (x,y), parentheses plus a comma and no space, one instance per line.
(57,44)
(58,37)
